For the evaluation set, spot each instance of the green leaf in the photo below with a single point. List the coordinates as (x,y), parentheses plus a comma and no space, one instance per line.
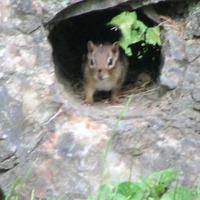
(153,35)
(92,198)
(180,193)
(134,30)
(159,181)
(124,20)
(131,190)
(106,190)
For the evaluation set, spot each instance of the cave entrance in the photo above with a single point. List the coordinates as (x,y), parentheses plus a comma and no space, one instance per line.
(69,41)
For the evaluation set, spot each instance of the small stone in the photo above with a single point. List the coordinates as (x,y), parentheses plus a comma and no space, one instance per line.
(143,80)
(8,163)
(4,136)
(1,75)
(192,50)
(196,94)
(177,46)
(171,74)
(193,23)
(167,82)
(191,78)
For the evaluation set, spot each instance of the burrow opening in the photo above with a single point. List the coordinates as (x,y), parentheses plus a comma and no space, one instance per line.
(69,42)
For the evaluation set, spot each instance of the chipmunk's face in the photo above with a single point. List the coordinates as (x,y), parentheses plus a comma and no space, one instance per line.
(102,60)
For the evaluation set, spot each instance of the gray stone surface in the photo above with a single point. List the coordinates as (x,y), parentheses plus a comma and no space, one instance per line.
(192,28)
(171,74)
(43,125)
(192,50)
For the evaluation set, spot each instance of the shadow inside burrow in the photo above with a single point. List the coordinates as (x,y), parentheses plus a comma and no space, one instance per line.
(69,41)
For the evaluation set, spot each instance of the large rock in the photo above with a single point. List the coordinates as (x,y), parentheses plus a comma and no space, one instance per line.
(45,129)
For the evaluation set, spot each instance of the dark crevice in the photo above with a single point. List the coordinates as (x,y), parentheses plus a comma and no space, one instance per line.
(69,41)
(2,196)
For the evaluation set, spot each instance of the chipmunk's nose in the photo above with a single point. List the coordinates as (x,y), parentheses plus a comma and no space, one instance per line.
(100,75)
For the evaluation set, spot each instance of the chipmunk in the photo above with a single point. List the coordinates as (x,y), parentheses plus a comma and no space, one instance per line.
(105,69)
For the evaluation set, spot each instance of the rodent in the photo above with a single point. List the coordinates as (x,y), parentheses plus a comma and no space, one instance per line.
(105,69)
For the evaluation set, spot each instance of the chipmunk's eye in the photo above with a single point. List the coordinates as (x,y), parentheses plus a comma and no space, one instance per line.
(110,61)
(91,62)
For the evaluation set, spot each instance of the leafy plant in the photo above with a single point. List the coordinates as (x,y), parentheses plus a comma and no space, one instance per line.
(178,193)
(134,30)
(158,182)
(152,187)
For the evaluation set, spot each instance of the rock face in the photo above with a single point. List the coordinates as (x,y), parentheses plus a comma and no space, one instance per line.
(46,131)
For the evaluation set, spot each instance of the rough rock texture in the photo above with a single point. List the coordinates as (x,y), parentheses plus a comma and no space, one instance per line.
(44,127)
(193,22)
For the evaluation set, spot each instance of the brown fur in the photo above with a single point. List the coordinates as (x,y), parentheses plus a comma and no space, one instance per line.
(105,69)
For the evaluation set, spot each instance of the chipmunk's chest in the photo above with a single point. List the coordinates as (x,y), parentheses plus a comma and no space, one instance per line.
(104,85)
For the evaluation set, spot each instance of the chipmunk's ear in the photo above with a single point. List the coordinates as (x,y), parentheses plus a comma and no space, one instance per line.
(91,46)
(115,47)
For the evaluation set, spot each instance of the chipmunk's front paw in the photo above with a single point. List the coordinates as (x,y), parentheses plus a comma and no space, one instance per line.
(115,100)
(87,103)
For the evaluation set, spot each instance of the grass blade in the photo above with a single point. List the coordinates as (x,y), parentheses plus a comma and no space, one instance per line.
(15,184)
(32,194)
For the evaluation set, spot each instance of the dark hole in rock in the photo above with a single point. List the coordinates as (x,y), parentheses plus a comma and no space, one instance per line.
(2,196)
(69,41)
